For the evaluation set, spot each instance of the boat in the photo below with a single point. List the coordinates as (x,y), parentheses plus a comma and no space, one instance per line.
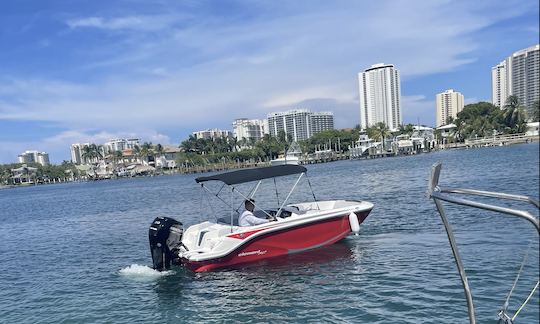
(297,227)
(292,156)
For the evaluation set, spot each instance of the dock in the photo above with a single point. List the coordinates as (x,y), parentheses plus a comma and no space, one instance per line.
(497,140)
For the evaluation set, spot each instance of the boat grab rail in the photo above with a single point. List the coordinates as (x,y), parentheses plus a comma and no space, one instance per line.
(439,194)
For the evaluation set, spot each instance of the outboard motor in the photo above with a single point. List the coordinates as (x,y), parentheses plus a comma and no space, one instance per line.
(165,235)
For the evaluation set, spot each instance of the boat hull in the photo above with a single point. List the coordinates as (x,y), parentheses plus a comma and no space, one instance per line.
(282,242)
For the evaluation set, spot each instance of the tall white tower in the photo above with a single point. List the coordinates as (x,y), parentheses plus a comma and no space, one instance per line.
(519,75)
(501,83)
(448,104)
(380,96)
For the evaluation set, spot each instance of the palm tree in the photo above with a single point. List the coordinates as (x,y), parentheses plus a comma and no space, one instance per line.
(234,144)
(243,142)
(137,152)
(252,142)
(381,131)
(514,115)
(117,156)
(146,150)
(159,150)
(406,129)
(190,144)
(282,137)
(536,112)
(87,154)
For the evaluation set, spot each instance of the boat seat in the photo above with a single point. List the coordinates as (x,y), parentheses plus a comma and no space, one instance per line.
(227,220)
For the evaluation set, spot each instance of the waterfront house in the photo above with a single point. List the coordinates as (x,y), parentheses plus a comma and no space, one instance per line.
(168,158)
(24,175)
(447,130)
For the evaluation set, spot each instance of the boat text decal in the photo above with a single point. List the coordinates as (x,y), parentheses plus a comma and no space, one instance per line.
(257,252)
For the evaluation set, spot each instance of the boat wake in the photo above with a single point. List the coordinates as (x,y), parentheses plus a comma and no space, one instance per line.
(142,272)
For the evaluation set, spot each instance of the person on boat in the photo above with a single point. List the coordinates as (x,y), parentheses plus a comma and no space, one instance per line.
(247,218)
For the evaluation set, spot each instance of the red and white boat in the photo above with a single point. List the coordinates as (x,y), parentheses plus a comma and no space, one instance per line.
(298,227)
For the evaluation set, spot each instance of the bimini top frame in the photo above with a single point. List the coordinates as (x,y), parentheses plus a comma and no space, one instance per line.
(250,175)
(439,194)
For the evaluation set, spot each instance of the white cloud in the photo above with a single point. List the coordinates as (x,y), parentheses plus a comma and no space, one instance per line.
(162,74)
(291,99)
(141,23)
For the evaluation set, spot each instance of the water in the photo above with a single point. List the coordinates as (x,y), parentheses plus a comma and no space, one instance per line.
(79,252)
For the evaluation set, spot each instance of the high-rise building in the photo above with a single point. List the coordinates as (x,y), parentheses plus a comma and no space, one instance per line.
(519,75)
(77,153)
(526,75)
(500,83)
(321,121)
(300,124)
(212,134)
(380,96)
(120,144)
(448,104)
(34,157)
(252,130)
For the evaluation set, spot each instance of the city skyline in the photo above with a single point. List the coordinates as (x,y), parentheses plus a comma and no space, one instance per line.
(89,73)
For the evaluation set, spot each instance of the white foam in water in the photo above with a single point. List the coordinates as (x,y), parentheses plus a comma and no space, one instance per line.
(143,272)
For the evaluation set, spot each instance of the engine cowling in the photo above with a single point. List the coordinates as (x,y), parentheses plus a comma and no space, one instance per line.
(165,236)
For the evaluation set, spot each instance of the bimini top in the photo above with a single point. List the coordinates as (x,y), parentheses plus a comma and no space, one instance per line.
(241,176)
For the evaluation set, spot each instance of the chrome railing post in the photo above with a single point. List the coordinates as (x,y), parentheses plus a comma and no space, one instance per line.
(437,194)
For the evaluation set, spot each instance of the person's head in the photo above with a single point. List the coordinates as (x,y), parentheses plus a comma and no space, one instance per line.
(249,204)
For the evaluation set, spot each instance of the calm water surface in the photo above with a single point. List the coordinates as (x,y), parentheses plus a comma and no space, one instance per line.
(78,252)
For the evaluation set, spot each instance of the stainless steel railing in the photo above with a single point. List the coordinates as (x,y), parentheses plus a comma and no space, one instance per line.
(438,194)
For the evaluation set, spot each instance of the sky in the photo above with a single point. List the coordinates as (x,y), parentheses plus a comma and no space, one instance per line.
(90,71)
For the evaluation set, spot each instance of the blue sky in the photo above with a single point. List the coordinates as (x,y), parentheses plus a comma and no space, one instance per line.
(79,71)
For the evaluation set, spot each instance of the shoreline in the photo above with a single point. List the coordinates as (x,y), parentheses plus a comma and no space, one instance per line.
(231,167)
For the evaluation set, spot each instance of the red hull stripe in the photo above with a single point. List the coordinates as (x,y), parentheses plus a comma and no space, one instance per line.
(330,241)
(244,235)
(281,242)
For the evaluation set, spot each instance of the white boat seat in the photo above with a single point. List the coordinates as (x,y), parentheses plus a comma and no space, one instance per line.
(227,220)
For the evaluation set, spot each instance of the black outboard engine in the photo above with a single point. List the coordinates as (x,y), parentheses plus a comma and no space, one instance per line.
(165,236)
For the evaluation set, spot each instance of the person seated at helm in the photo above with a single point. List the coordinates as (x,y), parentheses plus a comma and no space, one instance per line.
(247,218)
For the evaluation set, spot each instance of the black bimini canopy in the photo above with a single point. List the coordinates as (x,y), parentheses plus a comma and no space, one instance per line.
(241,176)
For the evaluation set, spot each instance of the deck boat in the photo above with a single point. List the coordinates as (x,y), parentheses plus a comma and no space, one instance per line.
(222,243)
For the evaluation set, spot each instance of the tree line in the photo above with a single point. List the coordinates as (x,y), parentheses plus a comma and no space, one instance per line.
(475,120)
(43,173)
(484,119)
(94,153)
(480,119)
